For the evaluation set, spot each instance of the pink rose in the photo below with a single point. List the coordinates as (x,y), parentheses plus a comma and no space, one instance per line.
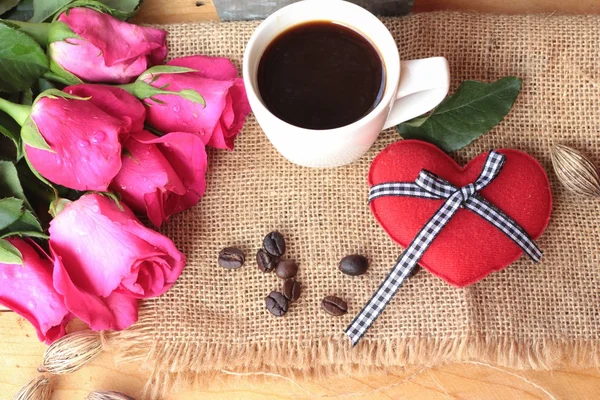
(215,79)
(162,176)
(105,260)
(83,136)
(97,47)
(27,290)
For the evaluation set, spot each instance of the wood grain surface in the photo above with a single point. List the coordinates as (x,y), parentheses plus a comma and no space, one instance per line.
(172,11)
(21,353)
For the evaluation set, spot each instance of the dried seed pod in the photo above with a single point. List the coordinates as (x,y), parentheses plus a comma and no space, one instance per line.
(36,389)
(578,174)
(106,395)
(71,352)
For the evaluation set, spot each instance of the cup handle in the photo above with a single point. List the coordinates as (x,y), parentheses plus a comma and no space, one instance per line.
(423,85)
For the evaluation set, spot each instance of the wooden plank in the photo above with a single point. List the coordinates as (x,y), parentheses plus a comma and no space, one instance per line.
(511,6)
(233,10)
(174,11)
(20,354)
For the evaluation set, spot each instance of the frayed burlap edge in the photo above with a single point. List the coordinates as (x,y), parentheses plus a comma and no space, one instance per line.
(175,365)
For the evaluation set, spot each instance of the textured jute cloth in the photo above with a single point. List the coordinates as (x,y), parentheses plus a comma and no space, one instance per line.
(526,316)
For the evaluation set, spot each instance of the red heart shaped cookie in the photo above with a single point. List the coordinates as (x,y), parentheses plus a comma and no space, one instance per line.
(468,248)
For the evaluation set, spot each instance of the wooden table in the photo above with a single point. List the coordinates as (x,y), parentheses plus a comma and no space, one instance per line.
(21,353)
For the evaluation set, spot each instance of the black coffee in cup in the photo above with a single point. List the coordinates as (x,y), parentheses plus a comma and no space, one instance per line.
(321,75)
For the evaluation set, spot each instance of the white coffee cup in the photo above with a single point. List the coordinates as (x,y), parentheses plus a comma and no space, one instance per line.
(412,87)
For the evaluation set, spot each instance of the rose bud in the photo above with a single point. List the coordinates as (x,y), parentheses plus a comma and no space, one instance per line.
(105,260)
(161,176)
(75,141)
(27,290)
(88,45)
(197,94)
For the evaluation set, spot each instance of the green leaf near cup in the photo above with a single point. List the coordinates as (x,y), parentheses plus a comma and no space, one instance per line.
(474,109)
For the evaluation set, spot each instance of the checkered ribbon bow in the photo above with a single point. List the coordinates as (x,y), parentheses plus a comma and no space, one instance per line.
(430,186)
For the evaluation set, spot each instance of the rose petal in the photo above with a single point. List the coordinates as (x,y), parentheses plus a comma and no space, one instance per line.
(114,101)
(27,290)
(218,68)
(85,142)
(114,312)
(119,41)
(164,175)
(100,245)
(86,61)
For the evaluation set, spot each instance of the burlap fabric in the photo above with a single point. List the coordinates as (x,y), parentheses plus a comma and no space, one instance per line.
(526,316)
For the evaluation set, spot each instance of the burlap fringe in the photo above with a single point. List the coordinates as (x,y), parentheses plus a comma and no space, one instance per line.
(178,365)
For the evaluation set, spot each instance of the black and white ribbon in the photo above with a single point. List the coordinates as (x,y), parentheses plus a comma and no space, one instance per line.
(430,186)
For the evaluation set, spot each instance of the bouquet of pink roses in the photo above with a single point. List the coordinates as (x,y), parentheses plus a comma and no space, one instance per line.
(96,128)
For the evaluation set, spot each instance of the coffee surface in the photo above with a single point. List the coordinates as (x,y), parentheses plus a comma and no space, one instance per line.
(321,75)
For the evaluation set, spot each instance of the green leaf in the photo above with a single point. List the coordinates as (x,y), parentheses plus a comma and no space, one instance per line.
(30,134)
(27,225)
(9,254)
(45,84)
(6,5)
(22,60)
(142,88)
(10,129)
(27,97)
(23,11)
(11,209)
(121,9)
(44,9)
(10,186)
(473,110)
(129,7)
(37,174)
(151,74)
(59,32)
(64,76)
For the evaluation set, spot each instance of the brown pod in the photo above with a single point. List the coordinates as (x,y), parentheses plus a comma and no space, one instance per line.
(291,289)
(286,269)
(335,306)
(231,258)
(265,261)
(276,303)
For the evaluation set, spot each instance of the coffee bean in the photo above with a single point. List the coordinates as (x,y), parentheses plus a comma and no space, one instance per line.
(276,304)
(231,258)
(291,289)
(274,244)
(265,261)
(414,271)
(334,305)
(354,265)
(286,269)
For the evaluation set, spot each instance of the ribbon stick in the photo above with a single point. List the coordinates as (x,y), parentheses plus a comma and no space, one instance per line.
(430,186)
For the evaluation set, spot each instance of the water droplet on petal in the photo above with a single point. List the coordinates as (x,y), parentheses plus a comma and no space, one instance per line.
(83,143)
(78,249)
(145,179)
(167,144)
(195,115)
(146,153)
(31,304)
(95,208)
(98,137)
(18,274)
(123,187)
(176,108)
